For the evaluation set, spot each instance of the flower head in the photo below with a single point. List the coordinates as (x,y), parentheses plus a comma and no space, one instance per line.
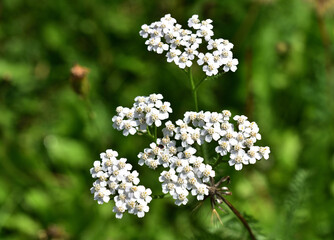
(183,45)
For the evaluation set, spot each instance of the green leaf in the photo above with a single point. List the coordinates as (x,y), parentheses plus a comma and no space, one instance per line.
(67,151)
(23,223)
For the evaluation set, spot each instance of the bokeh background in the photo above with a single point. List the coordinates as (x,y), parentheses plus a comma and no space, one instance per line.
(50,135)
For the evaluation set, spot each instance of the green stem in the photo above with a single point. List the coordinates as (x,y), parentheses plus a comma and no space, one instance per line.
(193,88)
(219,161)
(216,162)
(199,83)
(150,134)
(91,114)
(208,78)
(205,152)
(155,133)
(160,196)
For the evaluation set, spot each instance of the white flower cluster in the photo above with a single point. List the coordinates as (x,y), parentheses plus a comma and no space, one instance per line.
(146,111)
(212,126)
(175,151)
(187,172)
(183,45)
(114,178)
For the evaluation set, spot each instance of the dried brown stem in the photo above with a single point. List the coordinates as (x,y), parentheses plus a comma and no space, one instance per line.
(223,179)
(241,218)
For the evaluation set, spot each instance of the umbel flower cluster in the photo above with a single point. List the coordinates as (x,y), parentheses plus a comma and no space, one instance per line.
(183,46)
(187,173)
(114,178)
(145,112)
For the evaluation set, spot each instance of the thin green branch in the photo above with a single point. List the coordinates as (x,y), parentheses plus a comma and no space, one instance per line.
(193,88)
(155,133)
(216,161)
(219,161)
(159,196)
(205,152)
(200,82)
(208,78)
(149,134)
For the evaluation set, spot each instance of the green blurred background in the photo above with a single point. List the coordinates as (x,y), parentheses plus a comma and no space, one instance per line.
(50,135)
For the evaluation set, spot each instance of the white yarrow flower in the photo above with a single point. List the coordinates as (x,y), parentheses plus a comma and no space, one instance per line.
(172,55)
(194,22)
(119,209)
(102,196)
(231,65)
(183,61)
(181,196)
(200,191)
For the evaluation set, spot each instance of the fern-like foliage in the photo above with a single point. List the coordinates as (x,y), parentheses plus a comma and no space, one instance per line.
(293,204)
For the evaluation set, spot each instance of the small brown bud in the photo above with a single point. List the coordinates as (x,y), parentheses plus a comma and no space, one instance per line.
(78,72)
(79,81)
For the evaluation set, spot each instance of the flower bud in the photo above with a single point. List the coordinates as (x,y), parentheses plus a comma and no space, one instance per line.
(79,81)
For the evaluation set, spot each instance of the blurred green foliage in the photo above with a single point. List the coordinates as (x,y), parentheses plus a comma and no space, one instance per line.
(50,136)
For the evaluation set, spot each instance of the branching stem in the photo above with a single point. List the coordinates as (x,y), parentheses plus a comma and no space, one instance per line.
(199,83)
(149,134)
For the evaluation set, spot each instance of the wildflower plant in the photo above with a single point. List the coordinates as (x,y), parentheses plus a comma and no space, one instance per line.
(179,150)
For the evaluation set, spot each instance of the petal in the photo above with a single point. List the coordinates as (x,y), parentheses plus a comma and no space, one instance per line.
(125,132)
(132,131)
(238,166)
(140,214)
(200,197)
(252,160)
